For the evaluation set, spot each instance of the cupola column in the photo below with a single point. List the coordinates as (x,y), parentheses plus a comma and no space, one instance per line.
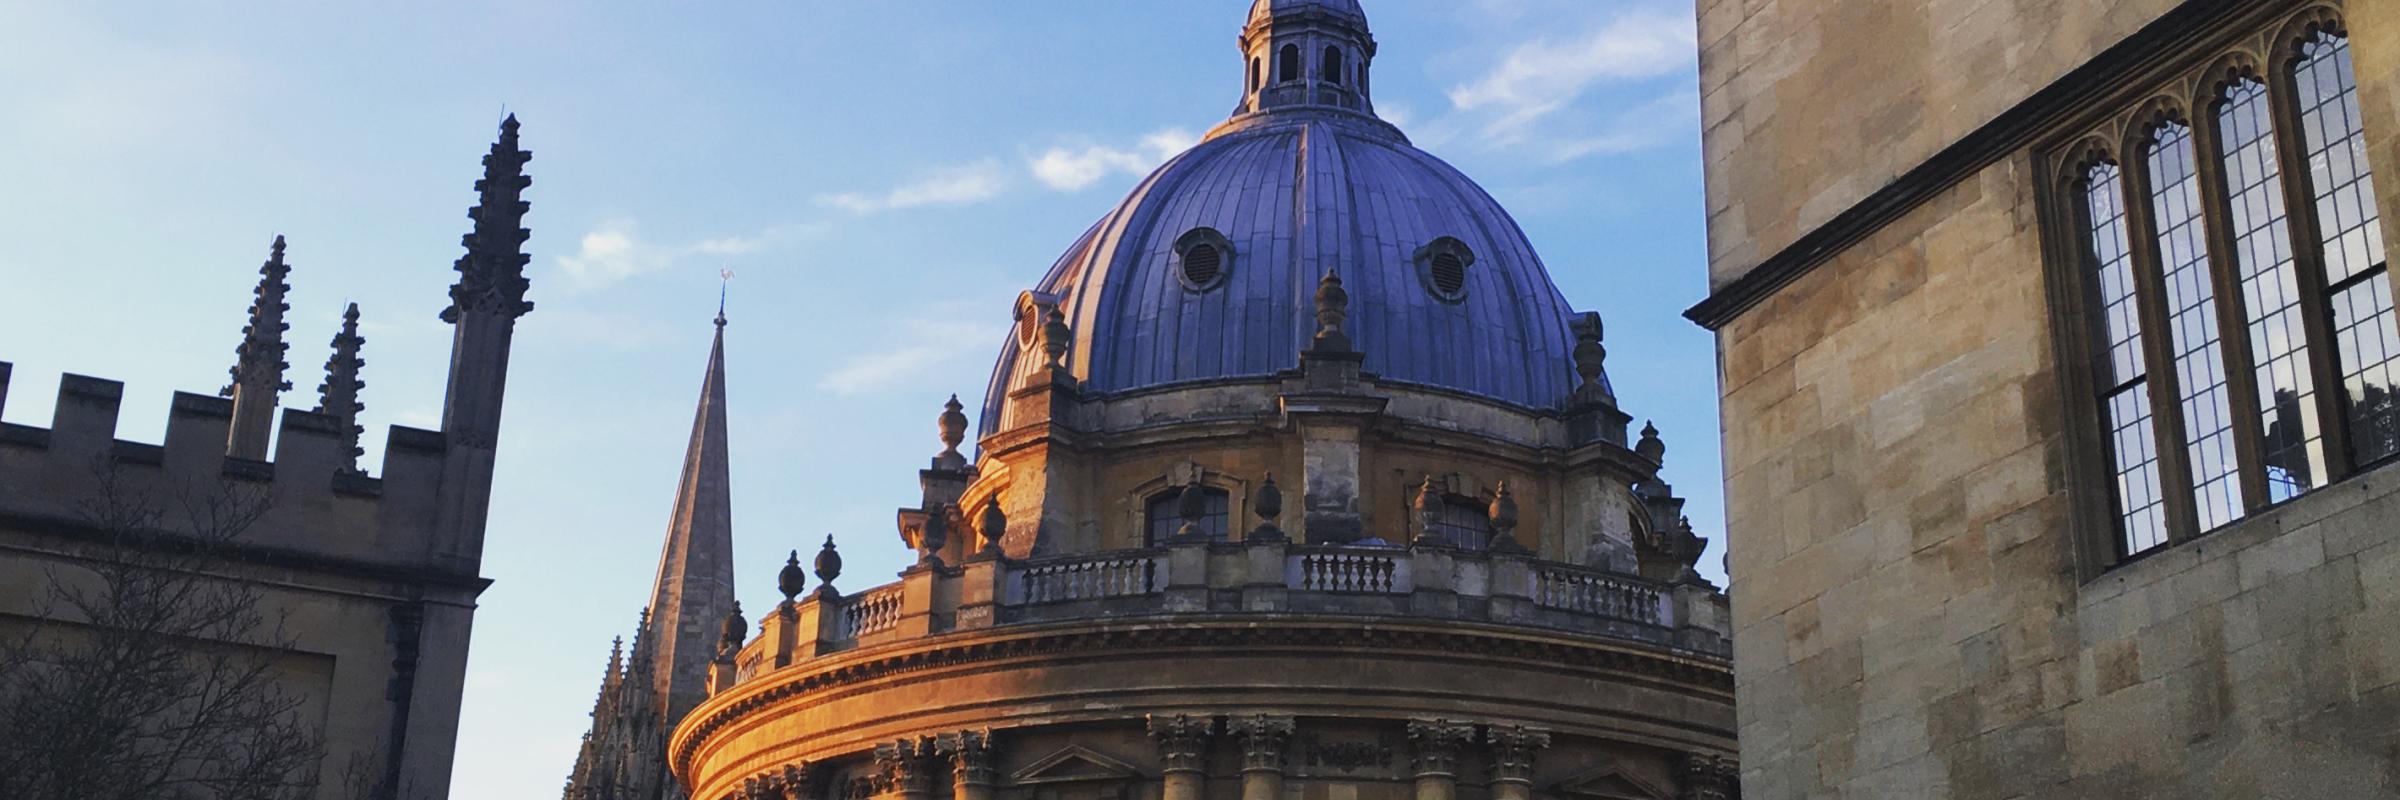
(1183,754)
(1264,738)
(1512,749)
(1433,756)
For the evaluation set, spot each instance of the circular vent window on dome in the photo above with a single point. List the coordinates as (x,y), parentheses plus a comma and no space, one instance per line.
(1443,266)
(1202,258)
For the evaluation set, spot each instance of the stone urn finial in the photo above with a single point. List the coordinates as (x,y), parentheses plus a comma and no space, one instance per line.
(1504,520)
(993,525)
(736,629)
(1055,334)
(1591,357)
(829,563)
(1333,310)
(1268,504)
(935,535)
(791,580)
(1192,505)
(953,424)
(1651,447)
(1428,505)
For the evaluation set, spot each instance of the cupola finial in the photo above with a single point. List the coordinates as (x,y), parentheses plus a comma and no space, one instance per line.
(1591,358)
(1333,309)
(953,426)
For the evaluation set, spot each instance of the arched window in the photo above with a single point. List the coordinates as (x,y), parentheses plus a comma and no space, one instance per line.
(1163,515)
(2122,374)
(1287,63)
(1332,70)
(2350,245)
(2292,442)
(1254,74)
(2173,175)
(1463,523)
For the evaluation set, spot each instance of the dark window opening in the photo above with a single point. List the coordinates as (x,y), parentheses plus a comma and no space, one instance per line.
(1201,264)
(1449,273)
(1463,523)
(1164,515)
(1253,74)
(1332,67)
(1287,63)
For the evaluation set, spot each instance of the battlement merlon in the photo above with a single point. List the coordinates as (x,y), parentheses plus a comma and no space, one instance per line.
(50,475)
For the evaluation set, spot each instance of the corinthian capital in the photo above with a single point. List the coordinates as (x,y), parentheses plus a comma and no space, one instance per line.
(1512,749)
(907,766)
(1707,777)
(1434,745)
(1263,739)
(970,754)
(1182,740)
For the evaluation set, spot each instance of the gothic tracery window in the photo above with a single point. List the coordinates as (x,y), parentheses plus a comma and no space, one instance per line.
(2237,299)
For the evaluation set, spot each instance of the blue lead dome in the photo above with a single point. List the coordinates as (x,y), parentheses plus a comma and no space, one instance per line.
(1207,270)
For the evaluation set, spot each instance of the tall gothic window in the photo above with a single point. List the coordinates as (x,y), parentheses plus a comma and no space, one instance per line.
(2244,350)
(2351,233)
(2192,324)
(2124,380)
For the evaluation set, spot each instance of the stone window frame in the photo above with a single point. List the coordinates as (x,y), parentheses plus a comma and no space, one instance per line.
(1423,259)
(1226,256)
(2266,51)
(1238,516)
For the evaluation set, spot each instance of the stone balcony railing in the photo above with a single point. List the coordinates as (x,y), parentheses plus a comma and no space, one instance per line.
(1419,583)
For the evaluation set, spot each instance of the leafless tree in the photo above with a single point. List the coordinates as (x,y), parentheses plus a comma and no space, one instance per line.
(147,676)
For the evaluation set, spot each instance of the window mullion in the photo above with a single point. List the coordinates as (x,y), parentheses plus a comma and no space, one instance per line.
(2233,314)
(2158,352)
(2308,264)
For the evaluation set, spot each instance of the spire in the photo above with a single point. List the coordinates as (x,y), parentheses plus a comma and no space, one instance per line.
(694,590)
(338,395)
(258,361)
(484,307)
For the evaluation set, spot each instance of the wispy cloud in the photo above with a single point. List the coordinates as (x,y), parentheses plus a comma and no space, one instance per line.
(1528,100)
(614,251)
(932,346)
(1070,169)
(955,186)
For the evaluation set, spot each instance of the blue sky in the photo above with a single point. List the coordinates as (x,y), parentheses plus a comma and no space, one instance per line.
(882,177)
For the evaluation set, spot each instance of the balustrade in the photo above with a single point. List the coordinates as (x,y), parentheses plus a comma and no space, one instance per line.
(1596,593)
(1114,575)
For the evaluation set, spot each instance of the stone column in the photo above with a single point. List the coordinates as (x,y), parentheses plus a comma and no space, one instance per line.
(1263,740)
(1183,750)
(1433,756)
(1512,749)
(970,754)
(1707,777)
(906,769)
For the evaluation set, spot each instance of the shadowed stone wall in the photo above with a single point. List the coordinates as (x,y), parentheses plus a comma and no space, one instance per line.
(1915,614)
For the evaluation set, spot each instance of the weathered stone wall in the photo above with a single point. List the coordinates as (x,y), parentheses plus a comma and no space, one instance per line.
(1911,618)
(1843,96)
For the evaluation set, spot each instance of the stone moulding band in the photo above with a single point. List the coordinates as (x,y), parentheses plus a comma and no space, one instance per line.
(858,667)
(2071,95)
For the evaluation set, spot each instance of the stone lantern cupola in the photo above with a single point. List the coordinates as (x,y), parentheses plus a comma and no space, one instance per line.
(1306,53)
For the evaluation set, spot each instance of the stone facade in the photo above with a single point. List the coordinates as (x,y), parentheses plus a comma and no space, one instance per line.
(1926,604)
(1348,513)
(373,576)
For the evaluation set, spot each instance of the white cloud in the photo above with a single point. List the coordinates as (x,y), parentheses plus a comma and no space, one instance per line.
(614,251)
(924,347)
(1068,169)
(1528,97)
(955,186)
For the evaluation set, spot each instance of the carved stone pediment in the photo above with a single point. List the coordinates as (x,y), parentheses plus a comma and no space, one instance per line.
(1605,783)
(1074,764)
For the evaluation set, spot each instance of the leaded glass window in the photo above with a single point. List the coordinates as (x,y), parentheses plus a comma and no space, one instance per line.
(2124,378)
(2350,229)
(1164,515)
(2292,439)
(2175,212)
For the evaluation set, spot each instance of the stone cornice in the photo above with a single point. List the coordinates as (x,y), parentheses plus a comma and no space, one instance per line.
(1237,632)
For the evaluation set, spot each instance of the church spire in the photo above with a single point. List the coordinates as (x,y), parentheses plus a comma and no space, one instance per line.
(258,362)
(694,590)
(338,395)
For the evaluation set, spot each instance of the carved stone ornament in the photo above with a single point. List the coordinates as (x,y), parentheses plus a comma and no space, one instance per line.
(1263,739)
(907,766)
(1434,745)
(1707,777)
(1512,749)
(970,754)
(1182,740)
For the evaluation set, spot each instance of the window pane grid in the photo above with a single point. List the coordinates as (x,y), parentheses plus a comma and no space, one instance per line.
(2350,228)
(2293,444)
(2192,326)
(2133,445)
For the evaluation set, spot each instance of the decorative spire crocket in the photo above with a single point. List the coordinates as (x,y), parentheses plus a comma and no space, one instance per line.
(491,276)
(338,396)
(258,361)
